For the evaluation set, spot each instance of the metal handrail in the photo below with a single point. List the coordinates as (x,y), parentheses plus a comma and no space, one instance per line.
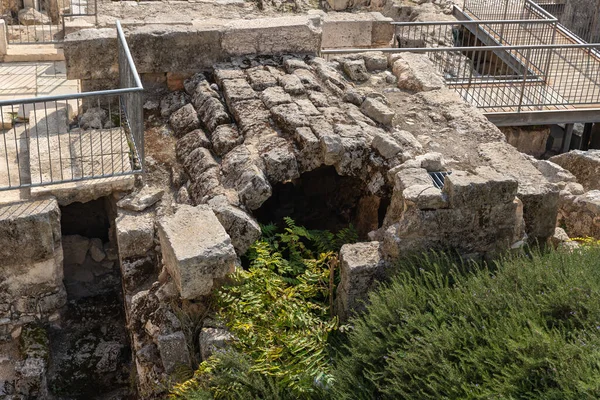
(476,22)
(473,48)
(114,148)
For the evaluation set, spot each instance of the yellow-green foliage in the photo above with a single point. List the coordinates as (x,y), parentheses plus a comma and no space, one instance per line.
(278,310)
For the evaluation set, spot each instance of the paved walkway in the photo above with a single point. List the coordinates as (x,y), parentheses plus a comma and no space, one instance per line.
(26,81)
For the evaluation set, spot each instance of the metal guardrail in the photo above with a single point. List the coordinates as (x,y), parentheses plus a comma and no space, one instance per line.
(75,137)
(479,75)
(47,23)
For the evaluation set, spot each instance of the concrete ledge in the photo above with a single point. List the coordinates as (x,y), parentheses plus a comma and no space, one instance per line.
(186,49)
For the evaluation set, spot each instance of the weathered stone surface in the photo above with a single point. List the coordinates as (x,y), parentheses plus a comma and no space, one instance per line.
(237,90)
(141,200)
(361,266)
(308,79)
(539,197)
(476,214)
(75,248)
(560,236)
(309,155)
(585,165)
(213,339)
(199,161)
(529,140)
(96,250)
(190,142)
(31,16)
(224,72)
(289,117)
(279,160)
(184,120)
(225,138)
(378,111)
(135,233)
(580,215)
(240,226)
(173,351)
(375,61)
(290,34)
(93,118)
(291,84)
(318,99)
(196,249)
(213,113)
(274,96)
(241,174)
(260,79)
(416,72)
(293,64)
(135,271)
(250,116)
(172,102)
(355,69)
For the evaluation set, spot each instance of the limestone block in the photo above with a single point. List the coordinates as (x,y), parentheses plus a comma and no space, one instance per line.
(211,340)
(274,96)
(29,232)
(196,249)
(378,111)
(308,79)
(291,84)
(251,115)
(331,148)
(293,64)
(212,113)
(30,16)
(361,266)
(225,138)
(539,197)
(347,30)
(92,54)
(173,351)
(375,61)
(172,102)
(309,156)
(585,165)
(184,120)
(75,248)
(236,90)
(415,72)
(135,233)
(239,225)
(190,142)
(166,48)
(260,79)
(198,162)
(425,197)
(141,200)
(474,191)
(289,117)
(355,69)
(134,272)
(554,173)
(279,161)
(290,34)
(580,215)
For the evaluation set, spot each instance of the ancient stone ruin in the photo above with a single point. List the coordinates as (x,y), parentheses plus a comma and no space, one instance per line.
(245,125)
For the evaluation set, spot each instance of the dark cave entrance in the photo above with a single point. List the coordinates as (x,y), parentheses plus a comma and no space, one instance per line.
(90,351)
(322,199)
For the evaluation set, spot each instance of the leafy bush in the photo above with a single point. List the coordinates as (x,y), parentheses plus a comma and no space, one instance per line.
(528,329)
(279,313)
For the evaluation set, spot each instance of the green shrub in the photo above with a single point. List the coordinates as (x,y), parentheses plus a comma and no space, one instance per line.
(279,312)
(528,329)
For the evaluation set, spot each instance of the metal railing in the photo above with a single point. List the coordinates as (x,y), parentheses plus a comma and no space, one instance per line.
(65,138)
(45,21)
(482,78)
(581,20)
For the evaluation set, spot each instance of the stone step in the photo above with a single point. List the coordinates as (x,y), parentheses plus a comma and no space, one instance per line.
(33,53)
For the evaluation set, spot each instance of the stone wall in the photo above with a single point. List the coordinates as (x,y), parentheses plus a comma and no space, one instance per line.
(91,54)
(31,271)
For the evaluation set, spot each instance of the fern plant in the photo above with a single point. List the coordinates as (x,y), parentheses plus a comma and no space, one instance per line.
(279,312)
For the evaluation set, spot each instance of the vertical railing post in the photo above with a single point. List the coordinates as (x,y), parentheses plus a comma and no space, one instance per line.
(527,58)
(550,52)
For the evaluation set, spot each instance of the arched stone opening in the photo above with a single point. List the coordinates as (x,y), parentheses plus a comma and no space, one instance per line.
(322,199)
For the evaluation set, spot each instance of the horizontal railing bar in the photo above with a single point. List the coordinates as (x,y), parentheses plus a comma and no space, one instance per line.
(73,96)
(473,48)
(539,9)
(490,81)
(61,182)
(480,22)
